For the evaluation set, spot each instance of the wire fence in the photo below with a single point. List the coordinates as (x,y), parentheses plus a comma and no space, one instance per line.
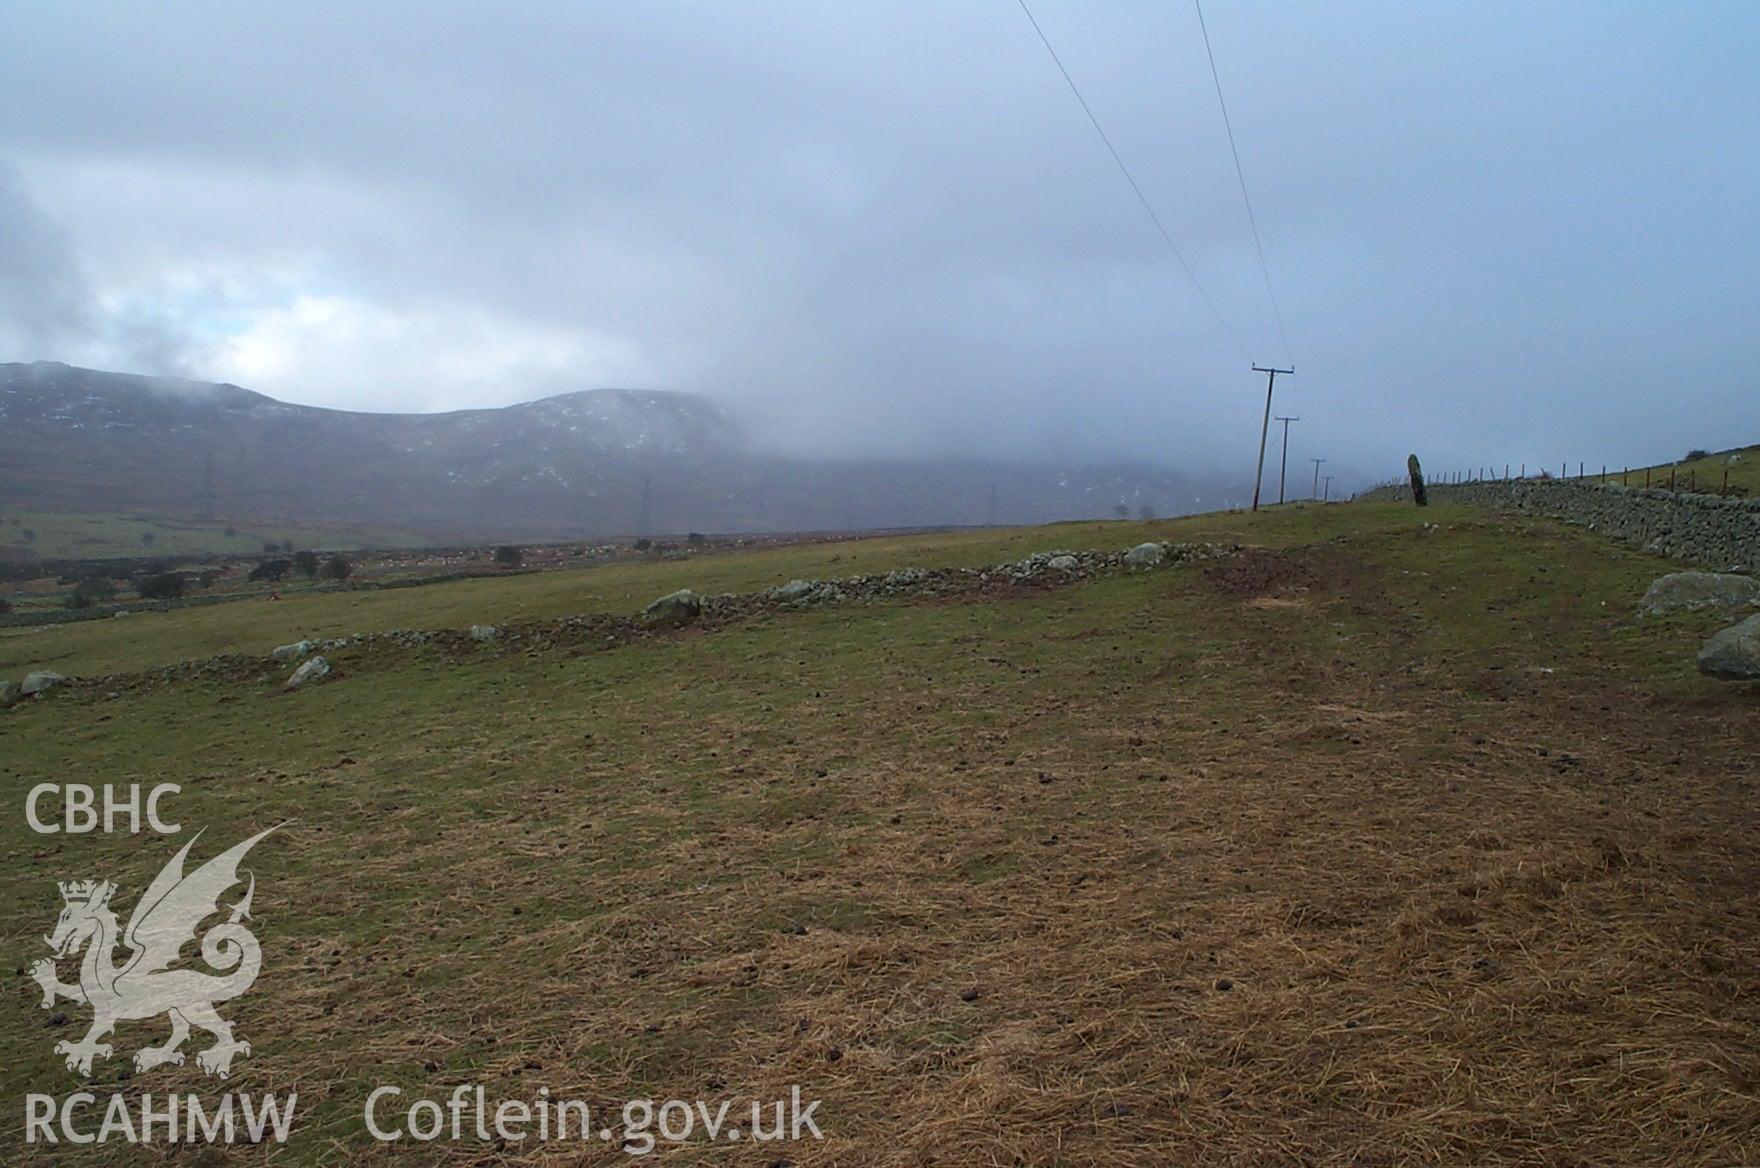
(1675,477)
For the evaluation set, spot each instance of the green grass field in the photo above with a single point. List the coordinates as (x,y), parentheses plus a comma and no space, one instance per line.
(51,535)
(1742,466)
(1378,843)
(258,625)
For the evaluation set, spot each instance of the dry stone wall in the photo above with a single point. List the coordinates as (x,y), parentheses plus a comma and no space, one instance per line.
(1708,530)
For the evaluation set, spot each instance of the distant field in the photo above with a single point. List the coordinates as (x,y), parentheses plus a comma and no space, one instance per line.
(1707,474)
(257,625)
(80,535)
(1702,474)
(1381,843)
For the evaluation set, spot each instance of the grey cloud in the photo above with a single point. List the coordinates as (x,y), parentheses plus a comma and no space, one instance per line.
(1498,232)
(44,302)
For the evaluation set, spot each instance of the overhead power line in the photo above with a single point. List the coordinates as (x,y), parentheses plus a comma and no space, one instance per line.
(1240,174)
(1166,236)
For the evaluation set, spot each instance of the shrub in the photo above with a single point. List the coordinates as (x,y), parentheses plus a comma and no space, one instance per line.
(306,564)
(1696,455)
(508,556)
(337,568)
(643,544)
(696,539)
(270,570)
(96,588)
(161,586)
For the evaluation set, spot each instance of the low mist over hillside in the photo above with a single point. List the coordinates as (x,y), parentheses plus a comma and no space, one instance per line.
(604,461)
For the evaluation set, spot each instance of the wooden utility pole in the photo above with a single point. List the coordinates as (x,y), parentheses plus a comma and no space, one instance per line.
(1265,426)
(1283,467)
(1327,497)
(1315,493)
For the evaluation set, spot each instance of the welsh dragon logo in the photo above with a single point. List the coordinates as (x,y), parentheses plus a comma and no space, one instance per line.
(143,984)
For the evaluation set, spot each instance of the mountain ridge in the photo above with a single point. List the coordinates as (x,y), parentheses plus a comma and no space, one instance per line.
(594,461)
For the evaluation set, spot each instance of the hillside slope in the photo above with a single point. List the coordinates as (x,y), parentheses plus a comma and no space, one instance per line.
(596,461)
(1396,838)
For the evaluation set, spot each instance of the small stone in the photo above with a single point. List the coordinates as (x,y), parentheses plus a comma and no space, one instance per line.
(673,610)
(1145,555)
(36,683)
(314,669)
(1732,654)
(795,590)
(1688,591)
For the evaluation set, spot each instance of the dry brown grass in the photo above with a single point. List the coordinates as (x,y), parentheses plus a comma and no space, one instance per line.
(1236,865)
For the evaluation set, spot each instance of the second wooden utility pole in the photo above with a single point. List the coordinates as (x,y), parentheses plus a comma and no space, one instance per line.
(1265,426)
(1283,467)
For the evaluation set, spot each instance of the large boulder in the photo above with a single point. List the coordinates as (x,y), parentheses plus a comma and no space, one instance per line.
(1145,555)
(314,669)
(484,632)
(36,683)
(673,609)
(282,654)
(9,693)
(1685,591)
(1734,653)
(1064,563)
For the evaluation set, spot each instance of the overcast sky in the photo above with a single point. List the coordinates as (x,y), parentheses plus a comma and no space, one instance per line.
(1498,232)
